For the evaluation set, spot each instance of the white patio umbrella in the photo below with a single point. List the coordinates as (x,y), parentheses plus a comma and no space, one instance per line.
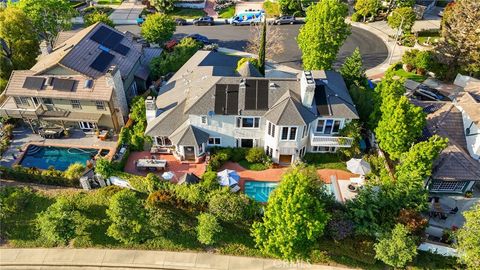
(358,166)
(167,175)
(228,178)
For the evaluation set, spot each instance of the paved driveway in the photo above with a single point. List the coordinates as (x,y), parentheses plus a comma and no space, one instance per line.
(127,12)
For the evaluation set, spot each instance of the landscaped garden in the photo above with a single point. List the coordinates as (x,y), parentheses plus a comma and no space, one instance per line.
(186,13)
(226,13)
(109,2)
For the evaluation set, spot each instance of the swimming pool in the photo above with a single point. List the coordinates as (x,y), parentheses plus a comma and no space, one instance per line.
(43,157)
(259,191)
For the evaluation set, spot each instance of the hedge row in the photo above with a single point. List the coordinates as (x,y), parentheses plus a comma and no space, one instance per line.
(33,175)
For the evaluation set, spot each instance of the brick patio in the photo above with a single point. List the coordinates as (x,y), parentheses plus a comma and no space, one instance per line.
(178,168)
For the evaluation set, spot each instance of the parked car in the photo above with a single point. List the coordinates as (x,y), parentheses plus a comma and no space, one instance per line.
(180,21)
(200,38)
(207,20)
(285,20)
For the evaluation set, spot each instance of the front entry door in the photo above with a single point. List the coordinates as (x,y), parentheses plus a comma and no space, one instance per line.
(189,153)
(285,159)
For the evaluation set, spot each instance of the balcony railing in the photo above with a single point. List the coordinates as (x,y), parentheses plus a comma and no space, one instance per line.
(318,140)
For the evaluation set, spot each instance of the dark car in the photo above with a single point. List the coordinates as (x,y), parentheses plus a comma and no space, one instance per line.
(427,93)
(180,21)
(200,38)
(207,20)
(285,20)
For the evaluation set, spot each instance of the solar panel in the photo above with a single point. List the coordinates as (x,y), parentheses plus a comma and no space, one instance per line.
(101,34)
(102,61)
(251,95)
(35,83)
(321,100)
(121,49)
(220,96)
(262,95)
(232,99)
(112,40)
(63,84)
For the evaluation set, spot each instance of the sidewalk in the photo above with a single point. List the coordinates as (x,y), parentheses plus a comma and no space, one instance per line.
(126,13)
(42,258)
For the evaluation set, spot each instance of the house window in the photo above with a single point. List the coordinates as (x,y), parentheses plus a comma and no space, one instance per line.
(163,141)
(336,126)
(448,185)
(247,143)
(248,122)
(271,129)
(86,125)
(305,128)
(47,101)
(75,104)
(302,151)
(200,149)
(269,151)
(289,133)
(328,127)
(22,101)
(323,149)
(204,119)
(100,105)
(214,141)
(320,125)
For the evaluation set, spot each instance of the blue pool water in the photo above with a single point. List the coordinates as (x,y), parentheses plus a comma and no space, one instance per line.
(259,191)
(43,157)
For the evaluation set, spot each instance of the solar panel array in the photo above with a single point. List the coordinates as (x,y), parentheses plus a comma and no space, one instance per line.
(63,84)
(34,83)
(226,99)
(110,39)
(102,61)
(432,108)
(256,95)
(321,100)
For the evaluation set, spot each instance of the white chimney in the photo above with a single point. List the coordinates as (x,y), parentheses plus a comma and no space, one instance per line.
(151,108)
(307,88)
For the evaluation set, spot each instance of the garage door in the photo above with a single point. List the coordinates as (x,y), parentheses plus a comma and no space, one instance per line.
(285,159)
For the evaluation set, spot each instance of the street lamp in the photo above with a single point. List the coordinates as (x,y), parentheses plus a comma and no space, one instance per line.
(399,29)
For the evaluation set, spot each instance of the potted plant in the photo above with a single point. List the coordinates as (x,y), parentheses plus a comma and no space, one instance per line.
(97,132)
(469,194)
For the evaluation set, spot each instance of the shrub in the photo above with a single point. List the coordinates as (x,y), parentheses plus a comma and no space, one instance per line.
(209,181)
(192,194)
(423,61)
(95,17)
(238,154)
(128,216)
(339,227)
(33,175)
(356,17)
(256,155)
(252,61)
(218,158)
(413,220)
(397,248)
(13,200)
(207,229)
(62,222)
(161,221)
(408,40)
(409,59)
(272,9)
(231,207)
(159,197)
(104,167)
(74,171)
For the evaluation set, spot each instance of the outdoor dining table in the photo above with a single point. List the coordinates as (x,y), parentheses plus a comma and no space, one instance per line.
(151,164)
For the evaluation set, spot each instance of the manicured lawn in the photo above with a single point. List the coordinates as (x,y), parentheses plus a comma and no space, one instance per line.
(110,2)
(227,12)
(409,75)
(252,166)
(432,40)
(187,13)
(325,161)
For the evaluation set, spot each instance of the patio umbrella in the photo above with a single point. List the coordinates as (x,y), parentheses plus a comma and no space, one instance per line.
(228,178)
(167,175)
(358,166)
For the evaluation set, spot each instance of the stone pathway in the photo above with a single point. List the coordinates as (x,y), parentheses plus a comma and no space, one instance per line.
(66,258)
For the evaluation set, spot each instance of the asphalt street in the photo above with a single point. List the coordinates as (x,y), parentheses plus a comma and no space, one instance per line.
(372,48)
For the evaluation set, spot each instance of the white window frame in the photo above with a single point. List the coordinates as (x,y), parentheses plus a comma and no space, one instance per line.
(239,122)
(325,124)
(22,101)
(289,134)
(214,141)
(87,125)
(76,104)
(328,149)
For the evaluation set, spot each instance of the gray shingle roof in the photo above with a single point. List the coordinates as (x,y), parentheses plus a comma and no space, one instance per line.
(189,135)
(454,164)
(289,111)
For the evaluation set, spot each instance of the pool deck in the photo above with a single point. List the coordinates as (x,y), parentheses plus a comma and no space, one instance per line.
(23,137)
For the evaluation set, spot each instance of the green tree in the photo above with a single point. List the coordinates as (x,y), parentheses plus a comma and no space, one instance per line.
(323,34)
(289,6)
(163,6)
(62,222)
(252,61)
(352,69)
(386,87)
(13,200)
(49,17)
(158,28)
(402,17)
(208,229)
(262,50)
(468,238)
(352,130)
(18,33)
(95,17)
(74,171)
(128,217)
(460,45)
(362,98)
(294,217)
(367,7)
(400,125)
(396,249)
(104,167)
(230,207)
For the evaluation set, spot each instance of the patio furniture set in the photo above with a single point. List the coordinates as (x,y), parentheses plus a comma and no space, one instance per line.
(150,164)
(437,211)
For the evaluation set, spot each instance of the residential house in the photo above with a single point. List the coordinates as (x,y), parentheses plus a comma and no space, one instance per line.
(208,103)
(86,80)
(454,171)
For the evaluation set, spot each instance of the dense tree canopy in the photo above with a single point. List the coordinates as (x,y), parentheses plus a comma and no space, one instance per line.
(402,17)
(208,229)
(158,28)
(352,69)
(367,7)
(323,34)
(469,238)
(164,6)
(49,16)
(95,17)
(397,248)
(294,217)
(461,40)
